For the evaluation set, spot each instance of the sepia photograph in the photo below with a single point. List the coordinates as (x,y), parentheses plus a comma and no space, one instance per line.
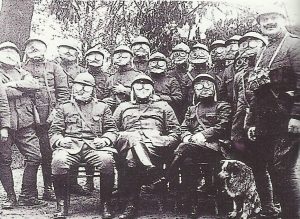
(149,109)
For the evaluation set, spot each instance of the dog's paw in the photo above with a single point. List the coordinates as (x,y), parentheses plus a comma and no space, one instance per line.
(232,214)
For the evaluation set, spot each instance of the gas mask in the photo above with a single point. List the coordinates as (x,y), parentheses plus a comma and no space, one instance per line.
(122,58)
(157,66)
(142,91)
(204,89)
(179,57)
(82,92)
(67,53)
(36,50)
(218,53)
(10,57)
(94,59)
(250,47)
(198,56)
(140,49)
(231,50)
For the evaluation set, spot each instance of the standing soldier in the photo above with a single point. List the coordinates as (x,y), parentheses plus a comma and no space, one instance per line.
(179,56)
(68,60)
(226,89)
(19,85)
(166,87)
(274,122)
(218,52)
(94,59)
(83,129)
(141,51)
(53,91)
(147,129)
(118,85)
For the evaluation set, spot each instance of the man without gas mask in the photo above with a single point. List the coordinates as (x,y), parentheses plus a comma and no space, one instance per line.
(166,87)
(53,91)
(206,122)
(148,129)
(141,50)
(275,110)
(179,57)
(83,129)
(118,85)
(68,52)
(19,85)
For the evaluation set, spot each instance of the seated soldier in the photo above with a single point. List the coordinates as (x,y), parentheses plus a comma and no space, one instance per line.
(83,130)
(205,124)
(147,129)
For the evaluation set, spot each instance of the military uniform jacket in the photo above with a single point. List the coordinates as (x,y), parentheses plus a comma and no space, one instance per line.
(4,109)
(168,88)
(101,83)
(53,86)
(141,64)
(124,76)
(20,104)
(226,87)
(214,116)
(155,121)
(97,122)
(279,101)
(217,72)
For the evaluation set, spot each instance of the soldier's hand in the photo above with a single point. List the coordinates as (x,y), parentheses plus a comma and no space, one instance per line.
(66,143)
(101,142)
(294,126)
(251,134)
(119,88)
(199,138)
(4,134)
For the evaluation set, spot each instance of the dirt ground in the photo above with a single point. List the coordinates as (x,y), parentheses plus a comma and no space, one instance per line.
(87,207)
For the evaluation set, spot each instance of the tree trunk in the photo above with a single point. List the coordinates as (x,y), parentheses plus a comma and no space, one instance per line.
(15,21)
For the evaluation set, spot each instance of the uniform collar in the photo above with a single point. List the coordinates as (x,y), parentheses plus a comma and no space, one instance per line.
(277,38)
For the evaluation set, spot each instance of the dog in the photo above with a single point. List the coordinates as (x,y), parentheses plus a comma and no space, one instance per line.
(240,186)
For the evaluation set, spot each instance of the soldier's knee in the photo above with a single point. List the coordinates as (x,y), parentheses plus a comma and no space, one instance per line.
(34,158)
(59,163)
(107,163)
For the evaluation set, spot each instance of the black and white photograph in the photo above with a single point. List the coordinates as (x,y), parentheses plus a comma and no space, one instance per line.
(149,109)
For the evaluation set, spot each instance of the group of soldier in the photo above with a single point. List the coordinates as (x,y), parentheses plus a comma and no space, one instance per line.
(236,99)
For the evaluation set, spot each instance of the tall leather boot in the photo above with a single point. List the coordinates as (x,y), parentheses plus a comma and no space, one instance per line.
(6,179)
(89,185)
(75,188)
(106,188)
(60,183)
(48,194)
(29,194)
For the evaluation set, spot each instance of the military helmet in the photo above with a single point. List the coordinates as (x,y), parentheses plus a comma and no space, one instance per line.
(270,10)
(145,79)
(232,39)
(157,56)
(69,43)
(85,78)
(123,48)
(94,50)
(206,77)
(35,39)
(181,47)
(7,45)
(217,43)
(200,46)
(140,40)
(253,35)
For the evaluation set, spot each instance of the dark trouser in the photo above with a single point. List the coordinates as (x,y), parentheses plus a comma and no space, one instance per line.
(279,155)
(28,144)
(46,151)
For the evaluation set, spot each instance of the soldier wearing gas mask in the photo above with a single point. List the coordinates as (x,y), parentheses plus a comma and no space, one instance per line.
(18,85)
(274,121)
(226,88)
(53,91)
(166,87)
(206,122)
(179,57)
(148,129)
(94,59)
(68,59)
(217,53)
(141,50)
(118,85)
(83,129)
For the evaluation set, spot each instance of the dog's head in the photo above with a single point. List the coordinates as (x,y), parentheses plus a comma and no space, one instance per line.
(232,169)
